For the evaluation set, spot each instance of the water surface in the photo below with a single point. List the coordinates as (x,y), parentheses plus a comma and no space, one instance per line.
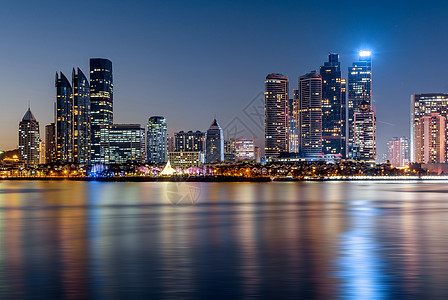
(167,240)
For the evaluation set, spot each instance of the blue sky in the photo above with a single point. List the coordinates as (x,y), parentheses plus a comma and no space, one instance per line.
(193,60)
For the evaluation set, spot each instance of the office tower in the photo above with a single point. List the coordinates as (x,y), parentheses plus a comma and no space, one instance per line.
(310,114)
(189,141)
(364,140)
(229,150)
(80,118)
(257,151)
(430,142)
(422,105)
(29,139)
(359,89)
(101,103)
(123,144)
(333,107)
(293,123)
(63,118)
(244,149)
(170,144)
(214,144)
(398,151)
(156,140)
(276,115)
(50,143)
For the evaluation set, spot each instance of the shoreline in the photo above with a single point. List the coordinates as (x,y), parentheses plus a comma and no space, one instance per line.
(226,179)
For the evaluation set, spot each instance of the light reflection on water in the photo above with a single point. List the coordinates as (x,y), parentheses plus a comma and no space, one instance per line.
(310,240)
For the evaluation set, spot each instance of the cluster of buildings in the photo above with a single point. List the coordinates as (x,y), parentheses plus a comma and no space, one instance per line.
(326,118)
(83,132)
(319,122)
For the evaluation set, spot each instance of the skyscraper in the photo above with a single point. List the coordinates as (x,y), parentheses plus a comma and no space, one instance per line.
(50,143)
(359,89)
(310,114)
(276,115)
(422,105)
(63,118)
(29,139)
(80,118)
(101,103)
(333,107)
(293,123)
(430,142)
(364,139)
(156,140)
(214,144)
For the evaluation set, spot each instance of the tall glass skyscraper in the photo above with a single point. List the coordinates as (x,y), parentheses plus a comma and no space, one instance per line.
(365,133)
(310,115)
(101,103)
(29,139)
(63,118)
(214,144)
(50,143)
(156,140)
(81,118)
(359,89)
(276,123)
(333,107)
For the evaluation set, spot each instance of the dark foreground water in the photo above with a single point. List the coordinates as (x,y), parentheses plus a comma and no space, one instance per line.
(283,240)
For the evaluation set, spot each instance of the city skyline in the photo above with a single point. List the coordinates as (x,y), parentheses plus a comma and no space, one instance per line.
(170,93)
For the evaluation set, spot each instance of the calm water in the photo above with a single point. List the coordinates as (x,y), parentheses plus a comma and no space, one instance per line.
(313,240)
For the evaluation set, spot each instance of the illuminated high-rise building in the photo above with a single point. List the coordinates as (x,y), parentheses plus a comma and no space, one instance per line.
(156,140)
(293,124)
(63,119)
(276,115)
(80,151)
(333,107)
(421,106)
(364,139)
(101,103)
(214,144)
(359,89)
(430,142)
(29,139)
(310,115)
(50,143)
(190,141)
(229,150)
(122,144)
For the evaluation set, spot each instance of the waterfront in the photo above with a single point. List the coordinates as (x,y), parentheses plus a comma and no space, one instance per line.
(192,240)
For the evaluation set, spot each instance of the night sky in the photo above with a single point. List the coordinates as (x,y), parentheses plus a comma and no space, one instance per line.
(193,60)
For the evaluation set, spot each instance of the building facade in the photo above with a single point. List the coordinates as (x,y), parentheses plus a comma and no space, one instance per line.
(156,140)
(359,90)
(364,139)
(101,103)
(333,107)
(50,143)
(293,123)
(398,152)
(310,114)
(63,119)
(276,123)
(80,118)
(29,139)
(244,149)
(189,141)
(123,144)
(186,159)
(214,144)
(423,105)
(430,141)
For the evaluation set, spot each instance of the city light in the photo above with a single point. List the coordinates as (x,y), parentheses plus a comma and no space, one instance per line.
(364,53)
